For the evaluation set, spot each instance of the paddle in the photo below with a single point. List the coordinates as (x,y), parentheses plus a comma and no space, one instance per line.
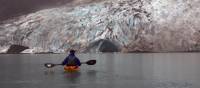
(51,65)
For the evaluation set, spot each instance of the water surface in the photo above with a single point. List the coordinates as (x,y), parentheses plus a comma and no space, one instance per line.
(113,70)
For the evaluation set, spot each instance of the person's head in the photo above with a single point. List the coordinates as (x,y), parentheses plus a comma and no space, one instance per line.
(72,51)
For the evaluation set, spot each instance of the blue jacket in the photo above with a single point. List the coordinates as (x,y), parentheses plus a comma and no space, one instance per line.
(71,57)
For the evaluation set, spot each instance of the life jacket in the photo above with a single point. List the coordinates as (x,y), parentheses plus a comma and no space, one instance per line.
(71,61)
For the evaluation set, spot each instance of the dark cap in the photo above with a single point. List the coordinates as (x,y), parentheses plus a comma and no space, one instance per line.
(72,51)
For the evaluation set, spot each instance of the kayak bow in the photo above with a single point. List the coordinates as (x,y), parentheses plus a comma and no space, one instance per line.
(71,68)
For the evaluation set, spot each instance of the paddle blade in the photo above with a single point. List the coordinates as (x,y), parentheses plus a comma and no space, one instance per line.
(49,65)
(91,62)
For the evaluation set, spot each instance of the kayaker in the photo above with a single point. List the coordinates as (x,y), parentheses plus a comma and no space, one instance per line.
(71,59)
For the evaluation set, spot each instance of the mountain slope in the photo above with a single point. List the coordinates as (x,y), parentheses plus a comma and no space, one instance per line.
(131,25)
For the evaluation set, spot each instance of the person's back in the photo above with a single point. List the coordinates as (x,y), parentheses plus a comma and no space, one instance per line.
(71,59)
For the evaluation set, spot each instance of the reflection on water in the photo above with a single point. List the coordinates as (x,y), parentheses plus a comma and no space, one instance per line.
(72,78)
(147,70)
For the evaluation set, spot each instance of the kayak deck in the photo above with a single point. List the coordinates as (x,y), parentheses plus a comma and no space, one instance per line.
(71,68)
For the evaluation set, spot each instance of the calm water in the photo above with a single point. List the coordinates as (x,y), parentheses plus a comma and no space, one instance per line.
(157,70)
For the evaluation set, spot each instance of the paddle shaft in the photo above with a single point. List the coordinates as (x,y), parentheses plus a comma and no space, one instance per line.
(50,65)
(81,63)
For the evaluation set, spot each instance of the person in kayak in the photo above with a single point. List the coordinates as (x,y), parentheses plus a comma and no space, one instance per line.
(71,61)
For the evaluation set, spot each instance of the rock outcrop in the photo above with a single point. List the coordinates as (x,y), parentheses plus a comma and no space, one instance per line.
(132,25)
(16,49)
(102,45)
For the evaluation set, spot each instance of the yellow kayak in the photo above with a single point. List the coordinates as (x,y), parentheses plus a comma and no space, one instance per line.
(71,68)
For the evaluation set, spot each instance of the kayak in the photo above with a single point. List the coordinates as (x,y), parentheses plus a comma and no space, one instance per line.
(71,68)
